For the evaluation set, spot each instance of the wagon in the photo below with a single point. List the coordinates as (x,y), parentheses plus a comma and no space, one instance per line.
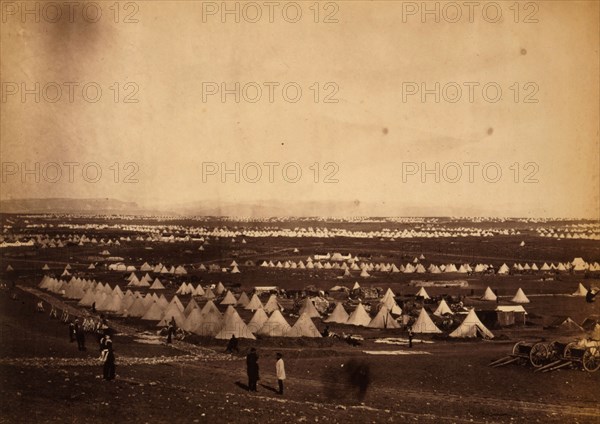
(535,354)
(549,356)
(584,354)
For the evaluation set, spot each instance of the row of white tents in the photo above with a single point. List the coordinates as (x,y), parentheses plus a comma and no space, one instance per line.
(208,320)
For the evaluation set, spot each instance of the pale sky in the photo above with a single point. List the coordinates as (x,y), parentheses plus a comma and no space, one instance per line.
(372,58)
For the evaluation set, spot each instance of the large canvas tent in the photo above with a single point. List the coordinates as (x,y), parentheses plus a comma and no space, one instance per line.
(383,319)
(275,326)
(424,324)
(338,315)
(472,327)
(234,326)
(359,316)
(304,327)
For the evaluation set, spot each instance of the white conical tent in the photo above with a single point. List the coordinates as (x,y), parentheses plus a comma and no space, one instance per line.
(520,297)
(423,293)
(254,303)
(359,316)
(137,309)
(504,269)
(199,291)
(208,294)
(220,288)
(211,322)
(229,299)
(114,305)
(87,299)
(489,295)
(309,308)
(356,286)
(172,312)
(339,315)
(183,289)
(443,309)
(275,326)
(304,327)
(258,320)
(383,319)
(581,291)
(424,324)
(190,307)
(472,327)
(272,304)
(234,326)
(193,320)
(243,300)
(154,312)
(175,301)
(210,307)
(157,285)
(389,294)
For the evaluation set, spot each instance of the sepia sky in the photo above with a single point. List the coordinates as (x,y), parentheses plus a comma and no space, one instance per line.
(377,136)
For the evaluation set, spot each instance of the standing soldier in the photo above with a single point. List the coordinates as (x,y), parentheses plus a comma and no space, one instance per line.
(170,331)
(280,369)
(79,335)
(252,369)
(108,358)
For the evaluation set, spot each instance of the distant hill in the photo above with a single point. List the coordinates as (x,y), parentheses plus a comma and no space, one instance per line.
(272,208)
(65,205)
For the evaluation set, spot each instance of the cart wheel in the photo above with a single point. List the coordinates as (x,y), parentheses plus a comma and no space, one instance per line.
(516,348)
(538,354)
(568,350)
(554,351)
(591,359)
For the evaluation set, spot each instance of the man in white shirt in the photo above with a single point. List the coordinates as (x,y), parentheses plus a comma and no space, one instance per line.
(280,368)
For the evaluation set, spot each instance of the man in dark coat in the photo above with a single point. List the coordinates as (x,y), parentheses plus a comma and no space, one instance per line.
(79,335)
(252,369)
(232,344)
(109,361)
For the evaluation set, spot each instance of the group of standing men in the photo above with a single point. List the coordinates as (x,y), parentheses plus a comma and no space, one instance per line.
(107,356)
(252,369)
